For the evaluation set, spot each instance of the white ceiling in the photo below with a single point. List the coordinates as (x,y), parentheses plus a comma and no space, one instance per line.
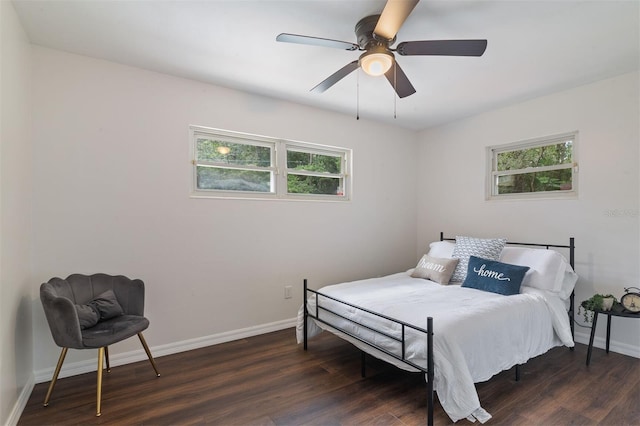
(534,48)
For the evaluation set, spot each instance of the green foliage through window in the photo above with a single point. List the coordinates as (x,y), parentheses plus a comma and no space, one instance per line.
(541,166)
(552,180)
(312,162)
(297,184)
(230,164)
(233,153)
(233,180)
(547,155)
(323,168)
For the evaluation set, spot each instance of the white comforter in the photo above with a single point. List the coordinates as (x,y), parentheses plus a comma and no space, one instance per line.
(476,334)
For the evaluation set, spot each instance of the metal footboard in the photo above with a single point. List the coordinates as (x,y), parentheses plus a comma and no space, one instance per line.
(402,340)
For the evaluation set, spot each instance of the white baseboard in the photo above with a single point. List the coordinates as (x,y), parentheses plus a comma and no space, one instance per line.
(614,346)
(23,398)
(81,367)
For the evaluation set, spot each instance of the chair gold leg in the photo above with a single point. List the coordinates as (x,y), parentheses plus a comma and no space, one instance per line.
(54,379)
(146,349)
(106,357)
(99,384)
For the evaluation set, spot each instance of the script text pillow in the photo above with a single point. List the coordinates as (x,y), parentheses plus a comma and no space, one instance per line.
(489,248)
(435,269)
(494,276)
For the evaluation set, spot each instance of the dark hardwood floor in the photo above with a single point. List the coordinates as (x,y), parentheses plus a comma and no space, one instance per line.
(269,380)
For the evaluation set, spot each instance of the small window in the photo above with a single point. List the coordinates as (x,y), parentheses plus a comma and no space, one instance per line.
(540,168)
(230,164)
(234,165)
(312,171)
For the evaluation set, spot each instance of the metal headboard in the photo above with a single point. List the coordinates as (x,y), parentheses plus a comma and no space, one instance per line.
(571,246)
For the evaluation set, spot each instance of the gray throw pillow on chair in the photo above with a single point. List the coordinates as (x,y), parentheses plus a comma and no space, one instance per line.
(87,316)
(102,307)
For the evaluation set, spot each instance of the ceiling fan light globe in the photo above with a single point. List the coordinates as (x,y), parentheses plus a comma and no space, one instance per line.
(376,63)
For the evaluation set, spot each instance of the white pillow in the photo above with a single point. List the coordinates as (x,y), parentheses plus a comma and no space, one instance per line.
(549,270)
(441,249)
(568,282)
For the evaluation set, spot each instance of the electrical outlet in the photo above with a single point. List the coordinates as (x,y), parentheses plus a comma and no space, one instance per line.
(287,291)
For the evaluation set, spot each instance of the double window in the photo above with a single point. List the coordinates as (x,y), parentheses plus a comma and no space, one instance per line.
(540,168)
(235,165)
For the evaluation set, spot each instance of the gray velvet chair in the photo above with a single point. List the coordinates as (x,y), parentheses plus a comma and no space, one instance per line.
(93,312)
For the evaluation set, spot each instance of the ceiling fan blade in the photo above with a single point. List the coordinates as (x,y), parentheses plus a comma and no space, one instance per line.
(393,15)
(316,41)
(336,77)
(399,81)
(443,47)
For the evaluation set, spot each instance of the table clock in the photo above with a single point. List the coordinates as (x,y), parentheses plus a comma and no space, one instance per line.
(631,300)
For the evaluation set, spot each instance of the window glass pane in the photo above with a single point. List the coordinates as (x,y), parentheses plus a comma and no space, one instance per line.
(548,155)
(233,153)
(233,179)
(299,184)
(553,180)
(313,162)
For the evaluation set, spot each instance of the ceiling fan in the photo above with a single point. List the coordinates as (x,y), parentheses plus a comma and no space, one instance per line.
(375,35)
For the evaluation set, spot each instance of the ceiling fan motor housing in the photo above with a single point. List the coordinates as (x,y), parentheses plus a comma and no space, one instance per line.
(365,36)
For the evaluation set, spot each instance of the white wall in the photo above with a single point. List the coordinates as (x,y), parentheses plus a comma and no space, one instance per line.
(604,219)
(16,368)
(112,170)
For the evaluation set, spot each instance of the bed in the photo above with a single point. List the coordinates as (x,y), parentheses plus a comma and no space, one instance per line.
(471,308)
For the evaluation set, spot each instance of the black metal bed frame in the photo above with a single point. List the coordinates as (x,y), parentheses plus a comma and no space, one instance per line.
(403,325)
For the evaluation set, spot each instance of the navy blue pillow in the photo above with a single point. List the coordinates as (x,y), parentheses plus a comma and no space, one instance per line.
(494,276)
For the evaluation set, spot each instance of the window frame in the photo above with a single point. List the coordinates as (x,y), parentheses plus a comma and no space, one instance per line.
(319,150)
(492,174)
(278,167)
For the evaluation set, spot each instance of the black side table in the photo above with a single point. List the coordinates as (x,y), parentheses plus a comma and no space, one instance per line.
(616,311)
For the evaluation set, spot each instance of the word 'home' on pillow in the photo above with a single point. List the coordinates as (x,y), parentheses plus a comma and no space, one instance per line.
(494,276)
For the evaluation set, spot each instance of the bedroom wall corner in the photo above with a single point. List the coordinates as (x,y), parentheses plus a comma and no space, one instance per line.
(604,218)
(16,345)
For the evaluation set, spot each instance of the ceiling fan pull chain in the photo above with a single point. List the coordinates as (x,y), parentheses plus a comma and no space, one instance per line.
(358,95)
(395,91)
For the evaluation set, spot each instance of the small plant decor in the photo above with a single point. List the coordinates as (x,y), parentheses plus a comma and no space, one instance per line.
(594,302)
